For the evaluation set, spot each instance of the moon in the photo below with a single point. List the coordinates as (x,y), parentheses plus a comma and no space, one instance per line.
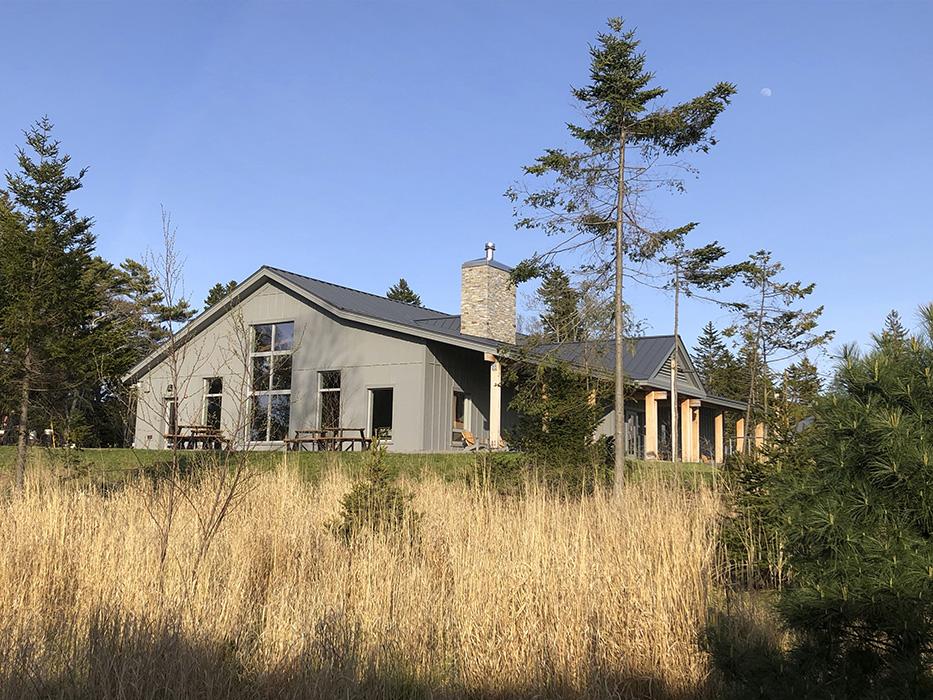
(766,92)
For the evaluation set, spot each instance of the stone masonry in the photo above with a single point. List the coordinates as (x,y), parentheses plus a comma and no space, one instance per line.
(487,300)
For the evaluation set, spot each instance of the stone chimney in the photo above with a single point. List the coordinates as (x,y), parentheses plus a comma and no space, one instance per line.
(487,298)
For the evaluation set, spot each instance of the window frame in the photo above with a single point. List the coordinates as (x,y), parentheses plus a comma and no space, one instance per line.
(269,392)
(370,390)
(321,390)
(208,395)
(456,434)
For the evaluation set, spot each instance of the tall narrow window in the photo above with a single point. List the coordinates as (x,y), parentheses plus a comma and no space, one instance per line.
(271,362)
(213,401)
(171,416)
(461,416)
(380,413)
(329,394)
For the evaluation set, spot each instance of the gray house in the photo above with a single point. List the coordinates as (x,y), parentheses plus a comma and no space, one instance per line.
(286,352)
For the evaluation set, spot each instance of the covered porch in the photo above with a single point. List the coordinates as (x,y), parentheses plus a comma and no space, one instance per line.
(708,428)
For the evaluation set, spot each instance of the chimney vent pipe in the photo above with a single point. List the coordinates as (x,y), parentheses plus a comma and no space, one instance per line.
(490,250)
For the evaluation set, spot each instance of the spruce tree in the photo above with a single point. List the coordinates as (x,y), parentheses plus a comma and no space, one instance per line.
(589,196)
(217,293)
(772,328)
(49,282)
(560,321)
(400,291)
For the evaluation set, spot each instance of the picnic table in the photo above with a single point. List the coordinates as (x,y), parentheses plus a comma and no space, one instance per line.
(329,440)
(197,437)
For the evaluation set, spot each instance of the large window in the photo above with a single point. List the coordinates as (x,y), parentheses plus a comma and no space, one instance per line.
(213,401)
(380,413)
(271,361)
(461,416)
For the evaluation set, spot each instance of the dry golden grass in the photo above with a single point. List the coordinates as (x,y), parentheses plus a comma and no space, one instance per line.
(496,597)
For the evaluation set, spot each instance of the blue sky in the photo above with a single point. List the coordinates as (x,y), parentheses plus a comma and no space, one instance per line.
(360,142)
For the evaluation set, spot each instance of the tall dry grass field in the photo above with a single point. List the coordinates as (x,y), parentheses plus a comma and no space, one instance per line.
(120,594)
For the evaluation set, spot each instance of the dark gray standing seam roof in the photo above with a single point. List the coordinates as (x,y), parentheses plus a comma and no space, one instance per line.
(377,307)
(643,355)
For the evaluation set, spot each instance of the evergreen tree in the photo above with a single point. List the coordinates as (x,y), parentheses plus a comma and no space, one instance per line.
(589,199)
(894,333)
(720,371)
(850,498)
(798,391)
(692,270)
(400,291)
(49,282)
(772,329)
(218,292)
(560,321)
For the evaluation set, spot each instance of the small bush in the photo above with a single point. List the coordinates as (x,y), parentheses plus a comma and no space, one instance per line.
(374,503)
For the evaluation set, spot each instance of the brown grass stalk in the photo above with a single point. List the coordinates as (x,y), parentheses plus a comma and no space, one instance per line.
(496,597)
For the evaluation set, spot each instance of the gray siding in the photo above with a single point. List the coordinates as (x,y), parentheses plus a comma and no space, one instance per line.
(449,369)
(367,359)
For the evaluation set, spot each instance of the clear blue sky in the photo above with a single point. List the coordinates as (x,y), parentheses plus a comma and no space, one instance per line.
(360,142)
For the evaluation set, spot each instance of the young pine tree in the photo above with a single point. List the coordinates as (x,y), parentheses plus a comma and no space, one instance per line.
(852,499)
(589,196)
(400,291)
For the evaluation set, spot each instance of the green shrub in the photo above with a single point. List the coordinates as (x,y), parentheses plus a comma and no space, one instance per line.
(374,503)
(851,498)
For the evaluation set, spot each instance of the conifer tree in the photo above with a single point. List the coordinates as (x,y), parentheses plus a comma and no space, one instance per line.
(218,292)
(560,321)
(589,197)
(692,271)
(400,291)
(49,283)
(772,328)
(851,501)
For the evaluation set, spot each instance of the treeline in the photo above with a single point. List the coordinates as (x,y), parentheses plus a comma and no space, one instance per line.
(71,323)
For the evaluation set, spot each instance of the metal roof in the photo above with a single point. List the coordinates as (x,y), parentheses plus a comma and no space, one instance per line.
(418,318)
(644,356)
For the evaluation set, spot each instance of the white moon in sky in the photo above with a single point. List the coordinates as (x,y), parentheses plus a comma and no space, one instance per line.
(766,92)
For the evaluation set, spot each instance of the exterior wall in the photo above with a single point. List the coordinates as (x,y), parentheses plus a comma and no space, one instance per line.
(367,359)
(449,369)
(487,302)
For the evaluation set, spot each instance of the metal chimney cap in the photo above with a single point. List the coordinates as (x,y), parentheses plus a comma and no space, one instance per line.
(490,250)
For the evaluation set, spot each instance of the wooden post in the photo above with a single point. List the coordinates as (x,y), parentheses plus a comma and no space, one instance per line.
(740,435)
(495,401)
(694,430)
(651,422)
(718,439)
(759,435)
(686,431)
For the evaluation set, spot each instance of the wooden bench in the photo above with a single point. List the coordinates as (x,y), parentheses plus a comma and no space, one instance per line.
(329,440)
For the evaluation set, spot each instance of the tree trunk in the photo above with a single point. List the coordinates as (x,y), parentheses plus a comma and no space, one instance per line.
(674,446)
(23,422)
(754,366)
(619,427)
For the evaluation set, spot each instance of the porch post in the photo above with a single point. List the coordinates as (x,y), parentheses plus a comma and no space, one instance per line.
(495,400)
(740,435)
(718,441)
(759,435)
(686,431)
(695,439)
(651,422)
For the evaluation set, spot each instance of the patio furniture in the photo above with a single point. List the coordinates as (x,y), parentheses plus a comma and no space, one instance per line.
(329,440)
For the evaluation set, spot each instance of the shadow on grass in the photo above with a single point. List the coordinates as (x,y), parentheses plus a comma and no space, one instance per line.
(121,657)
